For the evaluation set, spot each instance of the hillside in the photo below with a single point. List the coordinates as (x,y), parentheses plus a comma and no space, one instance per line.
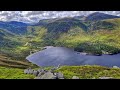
(94,37)
(95,34)
(89,72)
(14,27)
(8,62)
(63,25)
(13,73)
(99,16)
(107,24)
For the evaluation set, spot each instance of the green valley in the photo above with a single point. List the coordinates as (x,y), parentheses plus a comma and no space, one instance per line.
(97,34)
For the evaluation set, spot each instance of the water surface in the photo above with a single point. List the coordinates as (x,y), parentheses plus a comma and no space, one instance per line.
(53,56)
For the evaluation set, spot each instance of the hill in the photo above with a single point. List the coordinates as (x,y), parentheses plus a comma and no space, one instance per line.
(94,37)
(14,27)
(107,24)
(99,16)
(8,62)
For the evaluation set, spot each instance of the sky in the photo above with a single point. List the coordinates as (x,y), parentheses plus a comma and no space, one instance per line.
(35,16)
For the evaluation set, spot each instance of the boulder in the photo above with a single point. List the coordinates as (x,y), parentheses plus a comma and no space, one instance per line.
(59,75)
(26,71)
(39,70)
(61,78)
(31,71)
(105,77)
(48,75)
(35,72)
(43,71)
(115,67)
(40,73)
(75,77)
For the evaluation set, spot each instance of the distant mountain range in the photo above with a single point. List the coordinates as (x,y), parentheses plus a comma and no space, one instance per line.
(99,16)
(71,32)
(93,21)
(14,27)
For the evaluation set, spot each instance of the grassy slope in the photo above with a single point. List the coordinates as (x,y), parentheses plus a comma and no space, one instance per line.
(13,73)
(100,40)
(89,72)
(12,69)
(8,62)
(83,72)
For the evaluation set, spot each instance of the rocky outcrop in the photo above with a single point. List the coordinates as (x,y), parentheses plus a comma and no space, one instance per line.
(75,77)
(45,74)
(59,75)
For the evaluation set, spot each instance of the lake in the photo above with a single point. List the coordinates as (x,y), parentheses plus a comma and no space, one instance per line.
(53,56)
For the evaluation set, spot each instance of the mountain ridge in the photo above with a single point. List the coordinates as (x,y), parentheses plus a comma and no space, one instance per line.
(100,16)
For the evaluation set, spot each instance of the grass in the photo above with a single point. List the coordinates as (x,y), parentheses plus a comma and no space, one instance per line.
(8,62)
(94,42)
(14,73)
(89,72)
(83,72)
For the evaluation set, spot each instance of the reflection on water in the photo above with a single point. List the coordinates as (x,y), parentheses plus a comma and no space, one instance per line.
(60,55)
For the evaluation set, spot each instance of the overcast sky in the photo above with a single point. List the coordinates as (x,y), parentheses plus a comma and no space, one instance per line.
(35,16)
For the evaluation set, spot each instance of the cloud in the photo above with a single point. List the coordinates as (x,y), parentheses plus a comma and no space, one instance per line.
(35,16)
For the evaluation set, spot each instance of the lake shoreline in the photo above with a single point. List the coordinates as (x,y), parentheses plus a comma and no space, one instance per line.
(82,53)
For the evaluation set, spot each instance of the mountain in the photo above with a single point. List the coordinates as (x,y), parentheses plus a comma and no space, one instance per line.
(107,24)
(14,27)
(73,32)
(99,16)
(82,18)
(15,23)
(44,22)
(61,24)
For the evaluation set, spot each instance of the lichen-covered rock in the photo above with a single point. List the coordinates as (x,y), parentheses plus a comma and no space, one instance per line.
(105,77)
(61,78)
(75,77)
(40,73)
(48,75)
(31,71)
(26,71)
(35,72)
(39,70)
(59,75)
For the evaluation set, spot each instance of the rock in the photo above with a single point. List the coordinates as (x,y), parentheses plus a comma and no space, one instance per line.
(53,69)
(35,72)
(61,78)
(105,77)
(43,71)
(58,66)
(48,75)
(39,70)
(40,73)
(31,71)
(26,71)
(75,77)
(115,67)
(59,75)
